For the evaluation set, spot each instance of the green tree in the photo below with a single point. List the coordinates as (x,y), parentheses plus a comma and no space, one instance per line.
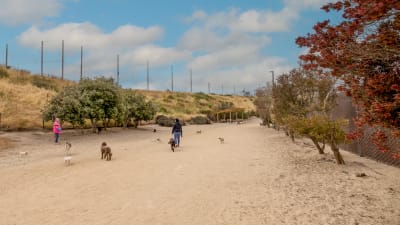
(134,107)
(302,100)
(66,105)
(99,99)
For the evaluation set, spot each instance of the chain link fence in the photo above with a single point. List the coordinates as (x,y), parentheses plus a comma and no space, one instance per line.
(364,147)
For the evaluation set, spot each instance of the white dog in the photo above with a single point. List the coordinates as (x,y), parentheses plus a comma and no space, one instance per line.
(67,148)
(22,154)
(67,160)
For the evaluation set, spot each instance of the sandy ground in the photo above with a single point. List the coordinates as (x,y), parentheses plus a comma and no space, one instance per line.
(258,176)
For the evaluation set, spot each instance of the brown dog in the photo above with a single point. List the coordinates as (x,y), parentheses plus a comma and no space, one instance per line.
(105,151)
(172,143)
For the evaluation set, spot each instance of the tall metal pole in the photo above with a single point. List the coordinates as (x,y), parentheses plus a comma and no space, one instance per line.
(41,60)
(81,61)
(191,81)
(172,78)
(62,60)
(117,69)
(208,87)
(6,56)
(148,86)
(273,80)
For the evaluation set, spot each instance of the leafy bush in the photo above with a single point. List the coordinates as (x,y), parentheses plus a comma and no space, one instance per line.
(165,121)
(200,95)
(43,82)
(205,111)
(200,120)
(3,73)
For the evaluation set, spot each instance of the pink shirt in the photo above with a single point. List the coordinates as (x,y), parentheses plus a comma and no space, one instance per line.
(56,127)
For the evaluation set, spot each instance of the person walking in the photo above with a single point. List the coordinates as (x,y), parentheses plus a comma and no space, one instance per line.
(56,129)
(177,132)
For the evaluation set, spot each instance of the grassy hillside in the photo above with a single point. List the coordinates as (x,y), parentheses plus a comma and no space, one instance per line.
(24,95)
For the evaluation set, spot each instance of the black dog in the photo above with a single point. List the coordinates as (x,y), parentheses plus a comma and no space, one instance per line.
(172,143)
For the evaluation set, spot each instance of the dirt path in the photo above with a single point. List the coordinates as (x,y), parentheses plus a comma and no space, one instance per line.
(258,176)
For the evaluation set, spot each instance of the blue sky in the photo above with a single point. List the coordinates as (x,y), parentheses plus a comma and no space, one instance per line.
(231,45)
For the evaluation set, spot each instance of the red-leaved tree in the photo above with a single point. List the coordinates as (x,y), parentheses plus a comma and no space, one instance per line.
(363,51)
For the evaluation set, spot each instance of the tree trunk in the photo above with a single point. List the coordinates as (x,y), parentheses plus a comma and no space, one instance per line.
(335,149)
(291,134)
(336,153)
(320,149)
(94,125)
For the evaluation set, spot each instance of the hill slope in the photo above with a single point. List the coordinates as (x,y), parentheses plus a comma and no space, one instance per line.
(23,97)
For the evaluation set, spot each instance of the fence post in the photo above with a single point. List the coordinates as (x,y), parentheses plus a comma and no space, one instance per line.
(359,149)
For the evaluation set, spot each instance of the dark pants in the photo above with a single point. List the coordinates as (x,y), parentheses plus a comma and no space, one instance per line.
(57,135)
(177,138)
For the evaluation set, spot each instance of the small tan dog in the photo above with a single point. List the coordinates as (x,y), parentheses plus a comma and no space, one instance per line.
(105,151)
(221,140)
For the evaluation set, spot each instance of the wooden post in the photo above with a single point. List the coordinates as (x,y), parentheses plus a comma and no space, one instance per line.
(230,117)
(217,117)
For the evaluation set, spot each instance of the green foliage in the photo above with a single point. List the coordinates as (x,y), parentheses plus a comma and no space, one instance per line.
(200,120)
(44,82)
(133,106)
(301,93)
(98,100)
(3,73)
(67,106)
(165,121)
(224,105)
(200,95)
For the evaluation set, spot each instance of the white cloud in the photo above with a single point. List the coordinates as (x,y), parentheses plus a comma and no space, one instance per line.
(90,36)
(247,21)
(229,57)
(15,12)
(156,55)
(305,4)
(247,76)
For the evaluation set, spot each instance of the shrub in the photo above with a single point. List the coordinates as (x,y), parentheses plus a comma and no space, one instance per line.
(3,73)
(200,120)
(165,121)
(45,83)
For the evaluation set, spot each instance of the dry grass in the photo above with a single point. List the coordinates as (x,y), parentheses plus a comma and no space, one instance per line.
(187,105)
(23,96)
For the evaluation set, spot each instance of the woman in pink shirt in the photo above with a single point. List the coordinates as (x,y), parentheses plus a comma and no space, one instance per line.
(57,129)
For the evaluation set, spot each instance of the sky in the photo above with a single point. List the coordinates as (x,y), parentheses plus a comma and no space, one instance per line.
(220,46)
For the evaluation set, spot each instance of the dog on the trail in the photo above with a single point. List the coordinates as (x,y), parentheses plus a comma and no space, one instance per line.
(221,140)
(105,151)
(22,154)
(68,146)
(67,160)
(198,132)
(172,143)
